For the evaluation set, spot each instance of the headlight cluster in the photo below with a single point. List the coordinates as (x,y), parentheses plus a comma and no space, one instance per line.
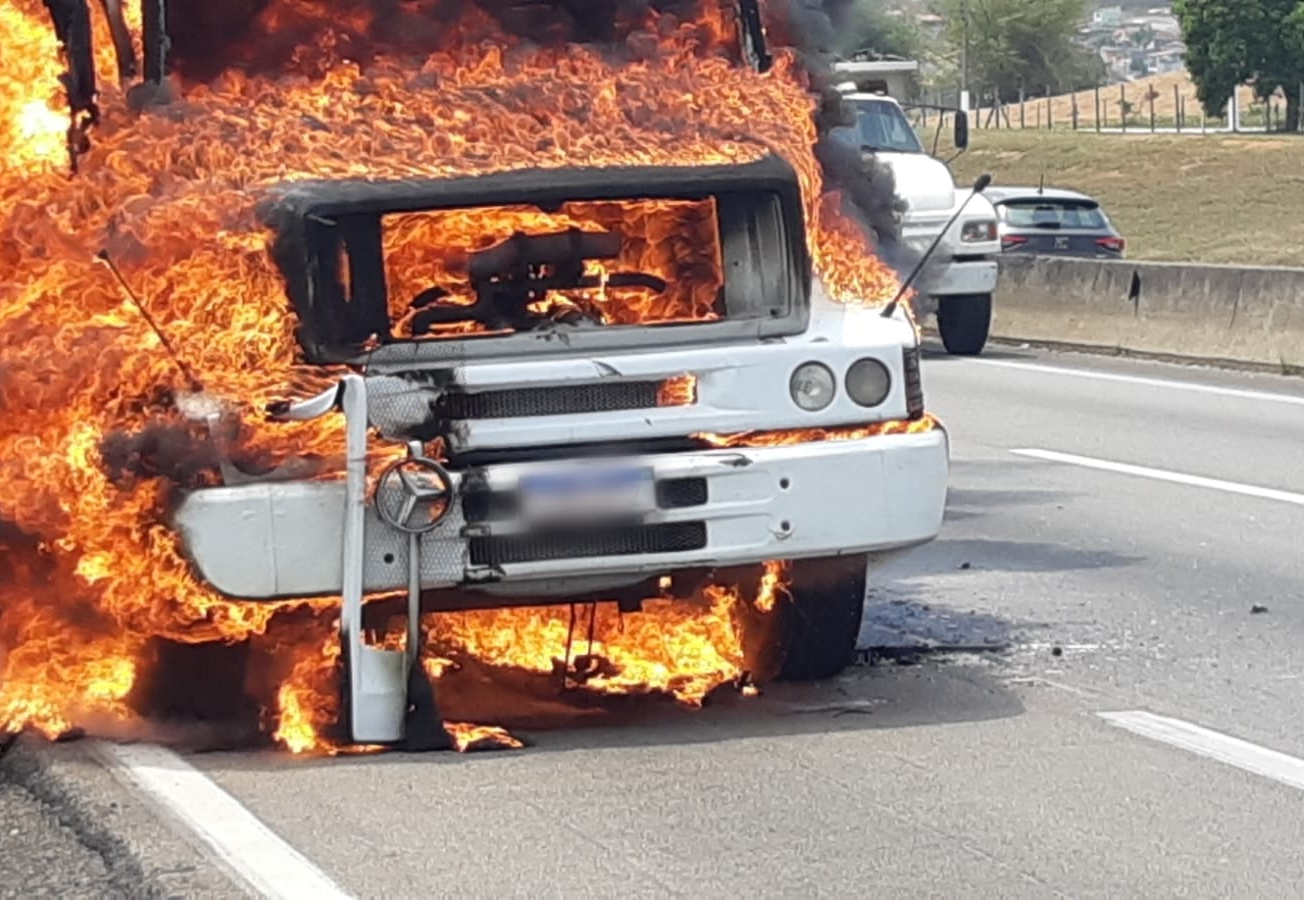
(813,385)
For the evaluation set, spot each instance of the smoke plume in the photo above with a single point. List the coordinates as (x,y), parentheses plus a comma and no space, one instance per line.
(808,26)
(176,452)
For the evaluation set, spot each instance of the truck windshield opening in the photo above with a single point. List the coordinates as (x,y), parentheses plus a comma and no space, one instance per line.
(881,127)
(533,260)
(465,271)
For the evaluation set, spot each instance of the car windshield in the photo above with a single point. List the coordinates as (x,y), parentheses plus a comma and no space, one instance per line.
(880,125)
(1043,212)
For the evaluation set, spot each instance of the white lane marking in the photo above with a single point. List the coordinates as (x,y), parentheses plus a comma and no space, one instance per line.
(1192,386)
(1288,770)
(245,845)
(1231,487)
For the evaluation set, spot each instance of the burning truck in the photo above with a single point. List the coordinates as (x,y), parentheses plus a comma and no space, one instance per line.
(550,369)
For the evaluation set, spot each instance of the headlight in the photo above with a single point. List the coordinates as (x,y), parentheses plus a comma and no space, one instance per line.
(812,386)
(868,382)
(982,230)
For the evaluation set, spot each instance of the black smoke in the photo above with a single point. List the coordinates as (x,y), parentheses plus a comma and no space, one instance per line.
(181,453)
(18,551)
(188,455)
(868,185)
(810,27)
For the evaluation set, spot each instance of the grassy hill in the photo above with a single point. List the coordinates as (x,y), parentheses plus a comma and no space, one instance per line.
(1222,199)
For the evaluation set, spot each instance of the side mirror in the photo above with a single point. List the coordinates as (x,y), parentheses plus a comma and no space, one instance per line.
(961,130)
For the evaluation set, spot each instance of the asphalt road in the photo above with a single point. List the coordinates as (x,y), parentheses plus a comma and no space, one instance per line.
(1103,606)
(33,844)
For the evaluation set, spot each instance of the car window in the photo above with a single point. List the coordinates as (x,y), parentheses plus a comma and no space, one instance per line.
(1046,213)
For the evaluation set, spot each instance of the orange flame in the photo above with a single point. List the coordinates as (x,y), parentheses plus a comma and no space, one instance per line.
(682,648)
(306,703)
(921,425)
(672,240)
(89,570)
(773,585)
(678,391)
(469,737)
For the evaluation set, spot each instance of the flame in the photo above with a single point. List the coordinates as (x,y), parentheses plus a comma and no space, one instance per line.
(93,438)
(675,241)
(922,425)
(306,702)
(678,647)
(774,584)
(678,391)
(467,736)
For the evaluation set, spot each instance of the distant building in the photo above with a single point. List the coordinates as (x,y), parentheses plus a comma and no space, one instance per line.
(1107,17)
(1167,59)
(1134,44)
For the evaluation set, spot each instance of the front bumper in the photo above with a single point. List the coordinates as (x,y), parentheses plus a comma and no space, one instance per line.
(972,276)
(975,272)
(729,507)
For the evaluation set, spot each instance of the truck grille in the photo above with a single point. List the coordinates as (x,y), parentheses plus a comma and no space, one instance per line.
(550,401)
(681,493)
(629,540)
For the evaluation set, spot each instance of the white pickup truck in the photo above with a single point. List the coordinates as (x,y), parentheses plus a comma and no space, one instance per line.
(962,272)
(514,438)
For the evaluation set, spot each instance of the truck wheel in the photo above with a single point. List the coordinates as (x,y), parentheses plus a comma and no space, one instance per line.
(964,322)
(821,620)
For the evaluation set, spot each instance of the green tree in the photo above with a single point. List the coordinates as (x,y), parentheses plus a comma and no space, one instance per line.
(1021,43)
(1230,42)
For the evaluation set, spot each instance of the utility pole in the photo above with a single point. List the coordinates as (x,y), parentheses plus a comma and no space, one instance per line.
(964,56)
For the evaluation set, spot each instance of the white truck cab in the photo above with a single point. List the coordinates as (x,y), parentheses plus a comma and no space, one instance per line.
(523,428)
(962,273)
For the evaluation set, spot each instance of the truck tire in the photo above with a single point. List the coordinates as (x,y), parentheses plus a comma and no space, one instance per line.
(964,322)
(821,618)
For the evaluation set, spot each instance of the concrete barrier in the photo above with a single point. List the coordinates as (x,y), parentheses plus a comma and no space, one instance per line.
(1246,315)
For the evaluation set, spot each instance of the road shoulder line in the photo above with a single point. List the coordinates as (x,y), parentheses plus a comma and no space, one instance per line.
(241,842)
(144,857)
(1223,748)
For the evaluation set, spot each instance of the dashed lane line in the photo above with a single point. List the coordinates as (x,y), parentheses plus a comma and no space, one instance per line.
(1165,383)
(1231,487)
(1215,745)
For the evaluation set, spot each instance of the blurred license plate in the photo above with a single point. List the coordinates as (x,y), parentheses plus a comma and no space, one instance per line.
(584,494)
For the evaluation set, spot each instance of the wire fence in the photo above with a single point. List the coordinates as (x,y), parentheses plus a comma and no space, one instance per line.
(1120,108)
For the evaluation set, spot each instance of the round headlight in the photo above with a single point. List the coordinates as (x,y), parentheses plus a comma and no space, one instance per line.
(812,386)
(868,382)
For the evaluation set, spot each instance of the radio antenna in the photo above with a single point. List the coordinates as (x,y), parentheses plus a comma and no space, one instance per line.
(978,187)
(196,385)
